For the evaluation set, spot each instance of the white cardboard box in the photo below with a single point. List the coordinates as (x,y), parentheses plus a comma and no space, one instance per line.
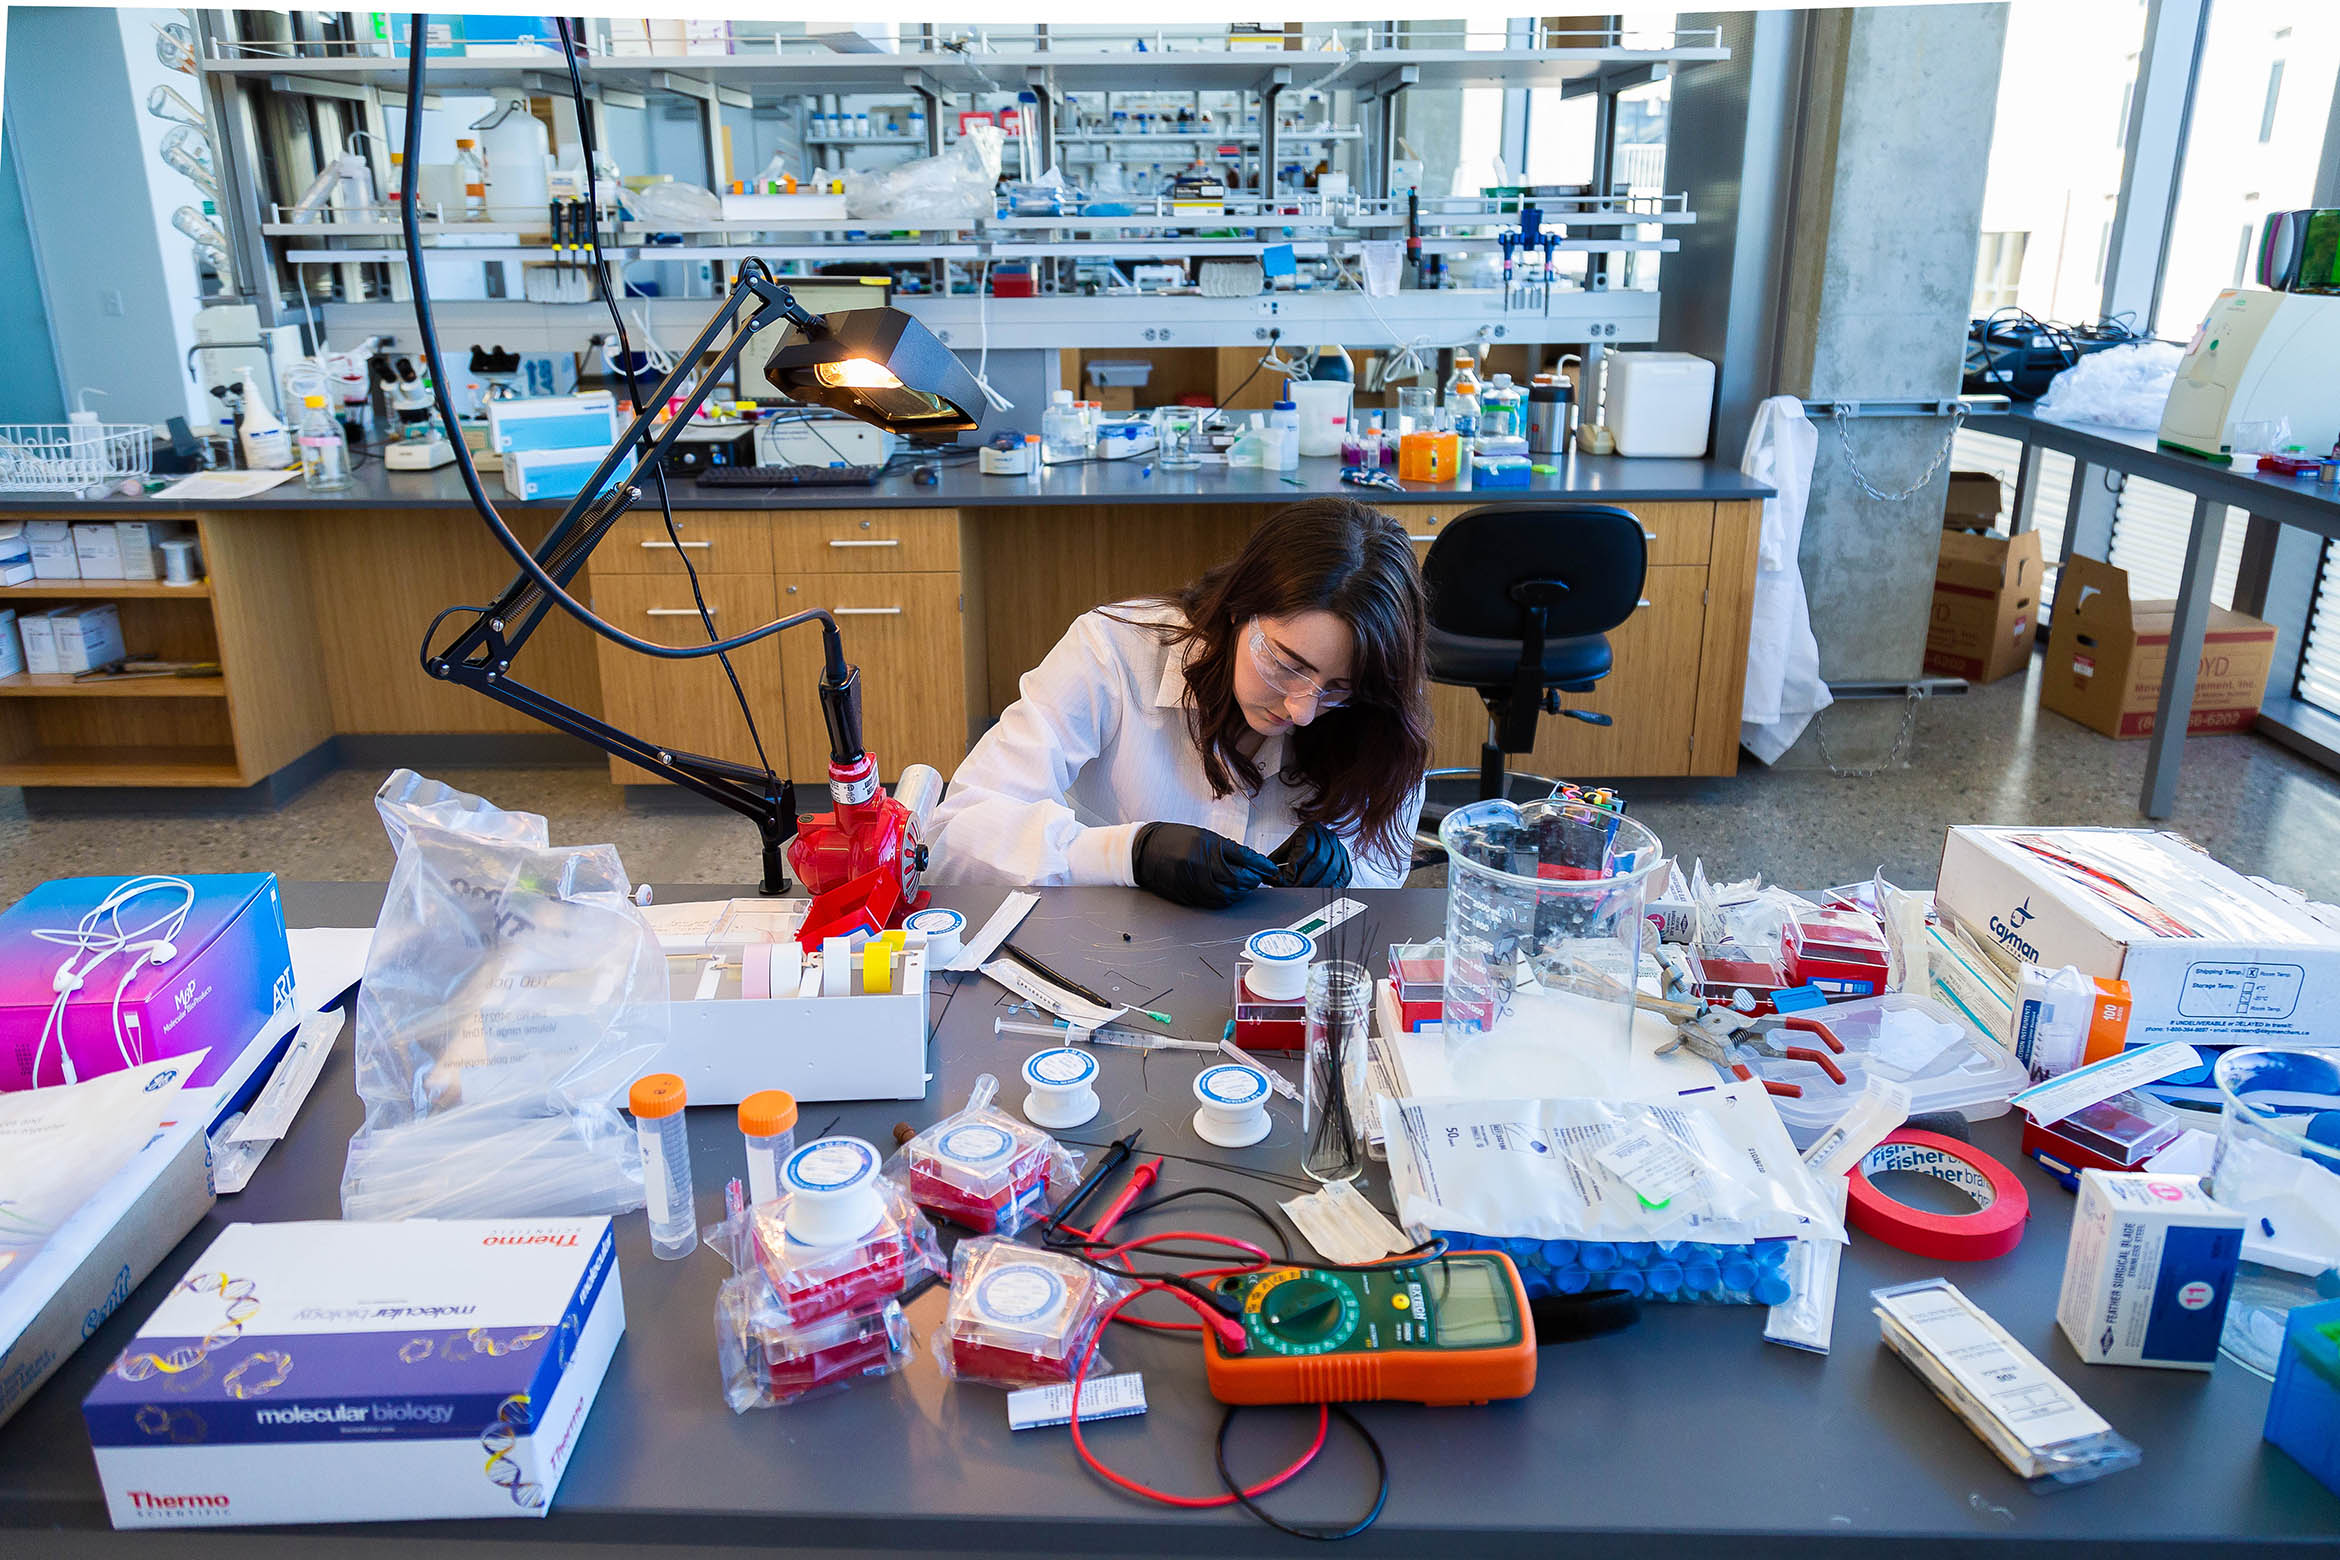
(87,636)
(2148,1272)
(16,566)
(364,1373)
(38,631)
(140,542)
(2210,956)
(53,557)
(97,549)
(73,1281)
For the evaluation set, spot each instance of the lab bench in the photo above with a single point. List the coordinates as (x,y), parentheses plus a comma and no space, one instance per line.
(947,593)
(1684,1436)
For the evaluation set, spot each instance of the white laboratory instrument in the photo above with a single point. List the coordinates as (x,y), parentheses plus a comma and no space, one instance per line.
(801,439)
(2258,356)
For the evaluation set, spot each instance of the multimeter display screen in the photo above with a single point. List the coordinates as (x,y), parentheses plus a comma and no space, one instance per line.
(1472,1305)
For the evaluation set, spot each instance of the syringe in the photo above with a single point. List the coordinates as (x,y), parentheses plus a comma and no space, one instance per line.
(1065,1033)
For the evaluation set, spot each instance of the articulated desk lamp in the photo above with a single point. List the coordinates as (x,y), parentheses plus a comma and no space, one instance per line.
(861,860)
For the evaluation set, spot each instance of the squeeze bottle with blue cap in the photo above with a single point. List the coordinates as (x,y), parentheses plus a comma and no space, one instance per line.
(767,1125)
(657,1103)
(1284,419)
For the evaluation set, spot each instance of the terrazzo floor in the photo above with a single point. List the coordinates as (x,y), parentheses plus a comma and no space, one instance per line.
(1991,756)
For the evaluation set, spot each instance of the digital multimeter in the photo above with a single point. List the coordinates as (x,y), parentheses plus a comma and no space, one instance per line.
(1450,1329)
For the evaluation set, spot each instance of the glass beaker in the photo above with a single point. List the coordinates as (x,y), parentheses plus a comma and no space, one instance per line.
(1417,410)
(2278,1164)
(1175,428)
(1340,998)
(1543,946)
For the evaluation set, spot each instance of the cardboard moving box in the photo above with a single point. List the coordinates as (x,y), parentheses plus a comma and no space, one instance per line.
(2105,657)
(1972,502)
(1986,605)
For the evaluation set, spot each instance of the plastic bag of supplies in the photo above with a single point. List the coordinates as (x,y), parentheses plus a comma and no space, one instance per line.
(511,994)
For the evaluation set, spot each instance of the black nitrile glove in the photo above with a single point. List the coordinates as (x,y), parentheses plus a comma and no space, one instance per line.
(1313,857)
(1191,866)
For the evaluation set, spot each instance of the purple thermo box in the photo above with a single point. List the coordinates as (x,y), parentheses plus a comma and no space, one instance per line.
(231,971)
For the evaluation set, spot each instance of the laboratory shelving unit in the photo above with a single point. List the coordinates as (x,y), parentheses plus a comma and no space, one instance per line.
(278,100)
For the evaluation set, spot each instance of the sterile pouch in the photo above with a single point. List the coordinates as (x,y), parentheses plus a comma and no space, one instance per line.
(1020,1317)
(984,1170)
(512,993)
(765,1362)
(1342,1226)
(808,1282)
(1710,1166)
(1807,1317)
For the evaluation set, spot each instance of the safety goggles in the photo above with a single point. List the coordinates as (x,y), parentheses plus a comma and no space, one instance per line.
(1285,678)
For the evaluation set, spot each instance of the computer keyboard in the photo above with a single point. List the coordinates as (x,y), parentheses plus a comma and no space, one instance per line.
(790,476)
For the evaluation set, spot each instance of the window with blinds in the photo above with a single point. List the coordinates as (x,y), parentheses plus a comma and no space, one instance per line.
(1972,451)
(2150,523)
(2319,669)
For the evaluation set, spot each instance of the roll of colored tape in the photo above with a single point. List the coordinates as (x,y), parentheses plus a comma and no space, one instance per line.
(1992,1230)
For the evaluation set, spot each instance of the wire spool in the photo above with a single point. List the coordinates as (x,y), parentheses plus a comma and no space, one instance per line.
(833,1197)
(1060,1079)
(942,930)
(1231,1105)
(1279,960)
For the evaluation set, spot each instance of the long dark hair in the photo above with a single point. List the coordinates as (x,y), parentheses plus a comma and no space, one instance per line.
(1354,768)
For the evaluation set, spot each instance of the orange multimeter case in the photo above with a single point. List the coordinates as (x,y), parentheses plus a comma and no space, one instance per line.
(1444,1330)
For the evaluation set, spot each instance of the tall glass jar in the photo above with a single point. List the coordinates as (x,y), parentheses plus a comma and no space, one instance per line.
(1543,946)
(1340,1000)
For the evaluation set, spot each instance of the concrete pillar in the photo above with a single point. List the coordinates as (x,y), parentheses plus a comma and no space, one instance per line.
(1884,211)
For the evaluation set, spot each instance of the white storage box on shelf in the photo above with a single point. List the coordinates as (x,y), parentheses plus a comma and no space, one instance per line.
(747,1008)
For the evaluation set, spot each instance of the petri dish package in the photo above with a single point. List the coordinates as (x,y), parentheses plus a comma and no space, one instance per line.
(1020,1317)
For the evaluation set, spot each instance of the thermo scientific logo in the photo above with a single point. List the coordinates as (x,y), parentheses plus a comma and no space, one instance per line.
(147,1500)
(533,1238)
(2009,935)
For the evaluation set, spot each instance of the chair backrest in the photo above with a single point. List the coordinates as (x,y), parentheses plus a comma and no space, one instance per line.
(1596,550)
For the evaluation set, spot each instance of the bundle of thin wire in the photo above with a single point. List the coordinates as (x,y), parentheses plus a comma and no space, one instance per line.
(1194,1289)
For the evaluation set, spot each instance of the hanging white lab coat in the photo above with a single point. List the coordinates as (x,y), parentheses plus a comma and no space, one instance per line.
(1783,690)
(1096,748)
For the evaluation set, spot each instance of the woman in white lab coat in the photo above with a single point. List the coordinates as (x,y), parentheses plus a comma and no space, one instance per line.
(1267,724)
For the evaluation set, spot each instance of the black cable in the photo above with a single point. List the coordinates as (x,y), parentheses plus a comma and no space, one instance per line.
(1321,1535)
(634,386)
(427,328)
(1274,338)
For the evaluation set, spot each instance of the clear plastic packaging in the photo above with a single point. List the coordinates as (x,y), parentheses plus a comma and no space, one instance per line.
(1909,1039)
(882,1259)
(984,1170)
(512,992)
(766,1363)
(2046,1434)
(1020,1317)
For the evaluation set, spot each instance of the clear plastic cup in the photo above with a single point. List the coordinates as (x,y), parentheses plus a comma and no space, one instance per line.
(1543,946)
(2278,1164)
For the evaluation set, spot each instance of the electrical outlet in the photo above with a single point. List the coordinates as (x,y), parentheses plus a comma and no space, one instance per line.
(1268,308)
(110,303)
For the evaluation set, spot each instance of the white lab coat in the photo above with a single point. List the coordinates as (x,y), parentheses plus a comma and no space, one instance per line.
(1783,690)
(1095,748)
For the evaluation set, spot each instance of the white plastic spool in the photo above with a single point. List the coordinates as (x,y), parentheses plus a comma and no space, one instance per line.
(1232,1101)
(1061,1080)
(833,1197)
(1279,959)
(942,930)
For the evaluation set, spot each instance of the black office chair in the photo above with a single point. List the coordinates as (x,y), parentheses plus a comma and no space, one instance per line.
(1522,599)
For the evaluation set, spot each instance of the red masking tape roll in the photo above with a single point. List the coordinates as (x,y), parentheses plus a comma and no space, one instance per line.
(1992,1230)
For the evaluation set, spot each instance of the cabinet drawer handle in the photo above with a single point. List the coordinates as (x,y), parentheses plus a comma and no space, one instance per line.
(866,611)
(655,545)
(1648,535)
(1411,537)
(892,541)
(689,612)
(1643,602)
